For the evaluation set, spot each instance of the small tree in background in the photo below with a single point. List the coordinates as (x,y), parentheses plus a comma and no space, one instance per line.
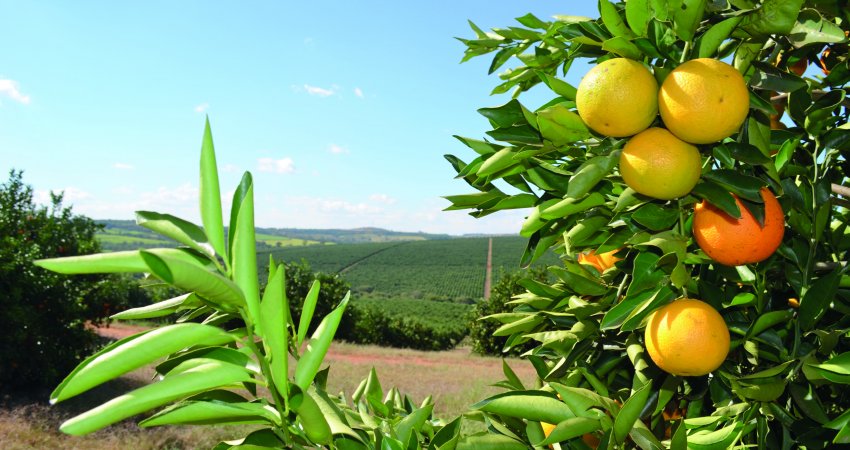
(44,314)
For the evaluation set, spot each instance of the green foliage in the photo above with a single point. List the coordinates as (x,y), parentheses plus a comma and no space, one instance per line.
(229,339)
(483,324)
(781,385)
(407,323)
(44,315)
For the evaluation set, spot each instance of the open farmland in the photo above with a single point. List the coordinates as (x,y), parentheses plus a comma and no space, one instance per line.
(445,269)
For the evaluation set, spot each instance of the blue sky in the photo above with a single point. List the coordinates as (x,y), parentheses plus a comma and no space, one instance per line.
(341,110)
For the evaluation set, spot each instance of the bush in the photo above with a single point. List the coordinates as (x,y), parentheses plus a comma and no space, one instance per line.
(481,329)
(45,314)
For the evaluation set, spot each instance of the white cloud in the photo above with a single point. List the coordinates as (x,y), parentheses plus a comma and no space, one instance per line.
(11,89)
(337,150)
(203,107)
(285,165)
(230,168)
(359,92)
(319,92)
(382,198)
(123,166)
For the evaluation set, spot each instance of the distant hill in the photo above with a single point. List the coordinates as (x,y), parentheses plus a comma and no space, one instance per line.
(126,235)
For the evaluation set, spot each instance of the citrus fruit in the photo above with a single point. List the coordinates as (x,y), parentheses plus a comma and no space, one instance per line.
(703,100)
(618,97)
(660,165)
(687,337)
(601,261)
(734,242)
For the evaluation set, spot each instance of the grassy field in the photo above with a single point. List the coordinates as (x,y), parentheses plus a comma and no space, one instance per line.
(445,375)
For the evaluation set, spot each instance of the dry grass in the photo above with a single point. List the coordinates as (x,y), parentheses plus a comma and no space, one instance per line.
(455,378)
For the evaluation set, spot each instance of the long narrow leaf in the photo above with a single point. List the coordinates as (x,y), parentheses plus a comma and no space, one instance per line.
(116,262)
(318,346)
(134,352)
(538,406)
(181,274)
(159,309)
(211,194)
(182,231)
(213,412)
(209,375)
(243,247)
(274,309)
(307,310)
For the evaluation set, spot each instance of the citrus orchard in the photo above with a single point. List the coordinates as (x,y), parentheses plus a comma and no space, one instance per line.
(687,337)
(703,100)
(660,165)
(618,97)
(734,242)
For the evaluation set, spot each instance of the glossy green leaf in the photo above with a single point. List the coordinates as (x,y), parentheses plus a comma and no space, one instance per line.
(274,310)
(489,441)
(159,309)
(182,231)
(768,77)
(570,429)
(713,440)
(811,28)
(818,114)
(497,162)
(718,196)
(243,246)
(579,284)
(510,114)
(307,310)
(558,86)
(190,277)
(687,17)
(590,173)
(115,262)
(807,400)
(655,217)
(622,46)
(530,405)
(561,126)
(612,20)
(211,194)
(318,346)
(773,17)
(635,317)
(570,206)
(630,412)
(638,13)
(768,320)
(710,41)
(310,416)
(205,375)
(136,351)
(412,423)
(816,300)
(213,413)
(744,186)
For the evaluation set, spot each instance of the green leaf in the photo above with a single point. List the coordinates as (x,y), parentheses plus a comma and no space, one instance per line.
(655,217)
(768,320)
(205,375)
(570,206)
(819,113)
(773,17)
(811,28)
(274,319)
(489,441)
(182,231)
(133,352)
(516,134)
(630,413)
(213,413)
(497,162)
(747,153)
(686,18)
(159,309)
(815,302)
(211,194)
(557,85)
(115,262)
(711,440)
(770,78)
(717,196)
(307,310)
(310,415)
(571,429)
(638,13)
(590,173)
(531,21)
(243,246)
(612,20)
(537,406)
(745,186)
(660,297)
(710,41)
(577,283)
(183,275)
(615,316)
(623,47)
(510,114)
(561,126)
(412,425)
(318,346)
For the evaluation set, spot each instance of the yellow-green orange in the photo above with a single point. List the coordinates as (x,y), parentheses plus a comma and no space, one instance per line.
(687,337)
(703,100)
(618,97)
(658,164)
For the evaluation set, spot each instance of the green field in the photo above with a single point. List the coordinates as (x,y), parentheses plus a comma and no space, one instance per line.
(443,269)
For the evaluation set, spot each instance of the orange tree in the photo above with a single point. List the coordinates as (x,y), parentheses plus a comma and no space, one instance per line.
(770,374)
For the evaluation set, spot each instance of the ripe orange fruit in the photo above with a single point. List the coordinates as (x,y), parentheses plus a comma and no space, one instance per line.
(734,242)
(687,337)
(618,97)
(793,302)
(799,67)
(660,165)
(703,100)
(601,261)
